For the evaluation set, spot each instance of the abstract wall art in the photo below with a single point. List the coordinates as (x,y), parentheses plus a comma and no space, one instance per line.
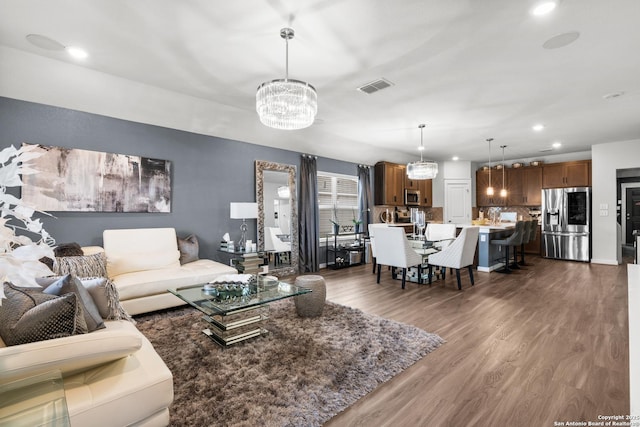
(89,181)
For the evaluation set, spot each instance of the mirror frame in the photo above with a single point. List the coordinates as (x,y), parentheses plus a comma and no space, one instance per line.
(261,166)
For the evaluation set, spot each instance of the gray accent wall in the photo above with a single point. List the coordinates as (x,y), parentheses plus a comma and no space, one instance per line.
(207,172)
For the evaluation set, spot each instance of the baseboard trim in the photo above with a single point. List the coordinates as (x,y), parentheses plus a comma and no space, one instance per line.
(605,261)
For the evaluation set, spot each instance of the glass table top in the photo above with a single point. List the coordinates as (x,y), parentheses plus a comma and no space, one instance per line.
(214,302)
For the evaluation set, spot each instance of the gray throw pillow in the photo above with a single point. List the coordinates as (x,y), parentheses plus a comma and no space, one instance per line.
(189,249)
(94,265)
(69,284)
(28,315)
(104,294)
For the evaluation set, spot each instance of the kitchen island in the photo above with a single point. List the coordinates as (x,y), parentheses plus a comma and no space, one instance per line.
(490,257)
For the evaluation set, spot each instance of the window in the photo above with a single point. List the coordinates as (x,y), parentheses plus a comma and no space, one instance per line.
(339,192)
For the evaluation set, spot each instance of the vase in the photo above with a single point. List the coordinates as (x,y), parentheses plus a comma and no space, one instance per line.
(336,228)
(356,228)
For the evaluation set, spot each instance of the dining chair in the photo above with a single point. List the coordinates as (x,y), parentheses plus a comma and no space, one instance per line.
(441,234)
(273,244)
(372,240)
(393,249)
(458,254)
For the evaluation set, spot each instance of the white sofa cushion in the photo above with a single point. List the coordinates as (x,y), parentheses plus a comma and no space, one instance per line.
(142,261)
(139,249)
(133,390)
(145,283)
(70,354)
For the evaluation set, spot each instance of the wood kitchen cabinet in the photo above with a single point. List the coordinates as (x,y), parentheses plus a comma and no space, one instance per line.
(567,174)
(524,186)
(482,182)
(426,192)
(389,184)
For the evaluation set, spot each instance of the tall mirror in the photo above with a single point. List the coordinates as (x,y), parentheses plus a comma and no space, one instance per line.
(277,216)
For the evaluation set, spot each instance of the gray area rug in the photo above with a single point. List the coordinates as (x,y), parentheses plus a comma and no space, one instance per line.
(302,373)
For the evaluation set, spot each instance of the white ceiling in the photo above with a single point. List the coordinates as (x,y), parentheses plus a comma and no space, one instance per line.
(469,69)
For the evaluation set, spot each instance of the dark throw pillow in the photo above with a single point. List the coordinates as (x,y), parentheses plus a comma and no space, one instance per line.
(69,284)
(188,249)
(29,315)
(68,249)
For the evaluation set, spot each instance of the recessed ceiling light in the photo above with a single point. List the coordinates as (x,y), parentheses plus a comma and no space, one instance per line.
(543,8)
(455,158)
(76,52)
(539,127)
(561,40)
(613,95)
(556,145)
(44,42)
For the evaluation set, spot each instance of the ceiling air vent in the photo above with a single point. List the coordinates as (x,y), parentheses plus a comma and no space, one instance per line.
(544,150)
(375,86)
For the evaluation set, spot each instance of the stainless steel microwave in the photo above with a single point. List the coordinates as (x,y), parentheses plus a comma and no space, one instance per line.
(411,197)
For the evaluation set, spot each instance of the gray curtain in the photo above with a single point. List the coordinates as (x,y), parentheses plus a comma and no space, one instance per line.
(309,215)
(364,195)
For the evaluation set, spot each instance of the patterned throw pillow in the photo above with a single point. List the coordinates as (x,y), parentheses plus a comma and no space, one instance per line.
(69,284)
(189,249)
(82,266)
(28,315)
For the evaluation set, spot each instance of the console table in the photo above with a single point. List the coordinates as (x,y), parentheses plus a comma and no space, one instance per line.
(343,252)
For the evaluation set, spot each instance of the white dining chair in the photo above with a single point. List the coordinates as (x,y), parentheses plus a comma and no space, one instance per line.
(458,254)
(441,234)
(372,241)
(393,249)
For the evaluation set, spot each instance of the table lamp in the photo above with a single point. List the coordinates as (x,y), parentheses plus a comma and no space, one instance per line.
(243,211)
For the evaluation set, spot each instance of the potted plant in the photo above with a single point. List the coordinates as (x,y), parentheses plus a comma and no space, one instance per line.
(356,222)
(334,220)
(19,254)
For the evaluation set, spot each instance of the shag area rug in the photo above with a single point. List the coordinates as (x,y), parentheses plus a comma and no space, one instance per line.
(305,371)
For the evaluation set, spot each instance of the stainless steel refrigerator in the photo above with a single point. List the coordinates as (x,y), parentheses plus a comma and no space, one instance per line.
(566,223)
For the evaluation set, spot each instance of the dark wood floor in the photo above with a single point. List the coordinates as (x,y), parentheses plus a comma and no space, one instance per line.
(548,343)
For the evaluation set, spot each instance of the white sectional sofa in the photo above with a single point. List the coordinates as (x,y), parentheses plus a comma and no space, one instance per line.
(144,262)
(112,376)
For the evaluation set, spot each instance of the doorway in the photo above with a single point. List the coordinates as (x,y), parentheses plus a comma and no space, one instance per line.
(457,201)
(630,211)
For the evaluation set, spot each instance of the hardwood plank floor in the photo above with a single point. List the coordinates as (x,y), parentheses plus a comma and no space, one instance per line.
(548,343)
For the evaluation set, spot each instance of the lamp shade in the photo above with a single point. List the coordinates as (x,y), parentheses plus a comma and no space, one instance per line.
(243,210)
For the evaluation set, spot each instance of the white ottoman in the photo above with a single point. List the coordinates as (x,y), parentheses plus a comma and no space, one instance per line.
(311,304)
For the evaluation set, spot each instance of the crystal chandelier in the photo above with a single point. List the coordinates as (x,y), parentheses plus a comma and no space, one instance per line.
(422,169)
(286,103)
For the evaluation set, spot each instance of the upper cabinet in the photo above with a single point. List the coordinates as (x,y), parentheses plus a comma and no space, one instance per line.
(482,182)
(389,184)
(524,186)
(567,174)
(391,181)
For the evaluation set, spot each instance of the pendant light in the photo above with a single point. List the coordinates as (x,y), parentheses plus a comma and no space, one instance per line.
(422,169)
(503,192)
(286,103)
(490,187)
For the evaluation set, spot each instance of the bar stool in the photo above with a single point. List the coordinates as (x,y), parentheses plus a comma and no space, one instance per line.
(513,240)
(533,233)
(524,238)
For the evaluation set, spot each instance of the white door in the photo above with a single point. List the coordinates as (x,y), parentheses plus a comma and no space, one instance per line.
(457,201)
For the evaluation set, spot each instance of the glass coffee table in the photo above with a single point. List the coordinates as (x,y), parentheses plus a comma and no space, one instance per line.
(236,312)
